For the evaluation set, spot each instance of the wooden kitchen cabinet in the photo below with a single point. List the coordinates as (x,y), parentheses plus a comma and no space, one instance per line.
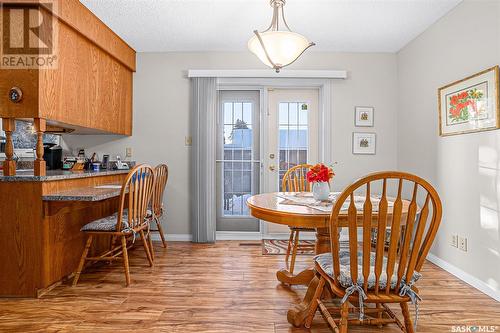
(90,88)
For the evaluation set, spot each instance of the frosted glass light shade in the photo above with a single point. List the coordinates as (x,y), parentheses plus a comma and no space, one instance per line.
(283,47)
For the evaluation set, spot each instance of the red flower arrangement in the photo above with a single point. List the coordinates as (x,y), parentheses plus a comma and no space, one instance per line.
(319,173)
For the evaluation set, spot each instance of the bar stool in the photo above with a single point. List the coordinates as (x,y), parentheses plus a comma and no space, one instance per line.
(136,194)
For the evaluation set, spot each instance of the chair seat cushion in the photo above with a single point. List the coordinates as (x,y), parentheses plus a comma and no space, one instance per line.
(107,223)
(325,262)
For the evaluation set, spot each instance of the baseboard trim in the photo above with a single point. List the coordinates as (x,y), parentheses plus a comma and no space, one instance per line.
(233,235)
(464,276)
(172,237)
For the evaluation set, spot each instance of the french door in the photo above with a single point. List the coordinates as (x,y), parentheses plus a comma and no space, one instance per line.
(238,159)
(255,149)
(292,137)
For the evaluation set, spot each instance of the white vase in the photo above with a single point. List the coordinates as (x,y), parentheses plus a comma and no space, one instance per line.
(321,190)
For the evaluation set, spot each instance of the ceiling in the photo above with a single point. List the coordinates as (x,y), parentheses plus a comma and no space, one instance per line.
(226,25)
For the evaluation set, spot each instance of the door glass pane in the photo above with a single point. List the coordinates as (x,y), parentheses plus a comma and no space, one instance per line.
(238,147)
(293,135)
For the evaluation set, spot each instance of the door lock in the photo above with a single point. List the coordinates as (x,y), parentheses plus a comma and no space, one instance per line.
(271,156)
(272,168)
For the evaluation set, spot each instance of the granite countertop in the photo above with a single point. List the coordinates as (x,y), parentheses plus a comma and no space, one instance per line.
(96,193)
(28,175)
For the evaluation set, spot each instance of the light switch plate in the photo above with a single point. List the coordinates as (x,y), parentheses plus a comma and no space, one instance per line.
(128,152)
(454,240)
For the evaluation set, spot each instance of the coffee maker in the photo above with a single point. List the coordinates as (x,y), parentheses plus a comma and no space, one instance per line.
(2,144)
(52,154)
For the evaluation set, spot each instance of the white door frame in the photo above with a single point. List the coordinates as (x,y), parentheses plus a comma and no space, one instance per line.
(325,87)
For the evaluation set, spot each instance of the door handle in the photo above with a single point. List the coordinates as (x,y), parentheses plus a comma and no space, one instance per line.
(272,168)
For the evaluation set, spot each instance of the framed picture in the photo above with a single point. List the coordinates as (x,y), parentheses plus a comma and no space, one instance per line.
(363,143)
(364,116)
(470,105)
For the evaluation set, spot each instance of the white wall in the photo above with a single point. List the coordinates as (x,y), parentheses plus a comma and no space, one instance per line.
(464,168)
(161,115)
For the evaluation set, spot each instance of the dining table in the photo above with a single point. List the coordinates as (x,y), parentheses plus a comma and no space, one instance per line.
(276,208)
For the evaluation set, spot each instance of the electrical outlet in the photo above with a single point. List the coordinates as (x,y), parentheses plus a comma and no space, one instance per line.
(454,240)
(188,141)
(462,243)
(128,152)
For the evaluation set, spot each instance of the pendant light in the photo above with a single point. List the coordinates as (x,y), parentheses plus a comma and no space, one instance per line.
(278,48)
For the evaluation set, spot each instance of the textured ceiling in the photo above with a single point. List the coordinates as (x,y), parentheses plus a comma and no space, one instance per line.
(226,25)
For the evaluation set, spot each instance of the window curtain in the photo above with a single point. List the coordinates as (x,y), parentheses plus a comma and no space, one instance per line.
(204,129)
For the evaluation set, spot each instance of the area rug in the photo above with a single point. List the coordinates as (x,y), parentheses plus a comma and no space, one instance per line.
(279,246)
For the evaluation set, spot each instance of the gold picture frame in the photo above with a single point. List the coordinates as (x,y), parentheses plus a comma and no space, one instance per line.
(470,105)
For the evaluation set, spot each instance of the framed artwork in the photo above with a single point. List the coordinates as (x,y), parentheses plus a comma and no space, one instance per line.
(470,105)
(364,116)
(363,143)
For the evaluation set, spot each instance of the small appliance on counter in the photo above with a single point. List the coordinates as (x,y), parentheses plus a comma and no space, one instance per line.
(52,154)
(105,162)
(121,165)
(2,144)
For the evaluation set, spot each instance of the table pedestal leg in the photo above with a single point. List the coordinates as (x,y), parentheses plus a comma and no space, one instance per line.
(304,277)
(297,315)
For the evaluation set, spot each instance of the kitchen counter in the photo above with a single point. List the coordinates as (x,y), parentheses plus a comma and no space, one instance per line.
(28,175)
(42,216)
(91,193)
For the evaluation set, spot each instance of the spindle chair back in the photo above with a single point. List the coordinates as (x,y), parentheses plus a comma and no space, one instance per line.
(411,215)
(295,180)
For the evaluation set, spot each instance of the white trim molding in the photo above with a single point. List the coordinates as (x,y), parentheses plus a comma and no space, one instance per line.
(259,73)
(464,276)
(172,237)
(231,235)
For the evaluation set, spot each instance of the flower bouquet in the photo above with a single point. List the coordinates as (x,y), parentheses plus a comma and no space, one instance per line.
(319,175)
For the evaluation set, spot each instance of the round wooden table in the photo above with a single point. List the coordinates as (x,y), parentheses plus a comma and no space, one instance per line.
(269,207)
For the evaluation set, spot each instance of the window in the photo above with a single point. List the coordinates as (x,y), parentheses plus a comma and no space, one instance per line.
(293,135)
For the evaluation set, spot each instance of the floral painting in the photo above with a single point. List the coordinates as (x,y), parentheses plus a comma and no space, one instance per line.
(470,105)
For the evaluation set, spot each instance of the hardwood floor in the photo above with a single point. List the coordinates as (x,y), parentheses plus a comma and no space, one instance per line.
(227,287)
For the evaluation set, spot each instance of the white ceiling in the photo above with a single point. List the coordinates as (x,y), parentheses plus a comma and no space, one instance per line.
(226,25)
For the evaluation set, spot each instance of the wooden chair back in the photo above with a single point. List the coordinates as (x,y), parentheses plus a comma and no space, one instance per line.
(295,179)
(135,196)
(161,178)
(407,250)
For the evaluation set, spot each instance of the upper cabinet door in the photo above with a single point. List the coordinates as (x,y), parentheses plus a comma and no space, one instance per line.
(88,85)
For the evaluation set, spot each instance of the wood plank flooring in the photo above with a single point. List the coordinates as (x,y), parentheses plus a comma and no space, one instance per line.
(226,287)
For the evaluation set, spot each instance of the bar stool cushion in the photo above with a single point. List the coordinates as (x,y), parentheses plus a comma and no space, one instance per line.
(326,263)
(107,223)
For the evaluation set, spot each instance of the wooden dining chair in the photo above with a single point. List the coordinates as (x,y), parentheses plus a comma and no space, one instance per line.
(379,277)
(130,220)
(156,213)
(295,180)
